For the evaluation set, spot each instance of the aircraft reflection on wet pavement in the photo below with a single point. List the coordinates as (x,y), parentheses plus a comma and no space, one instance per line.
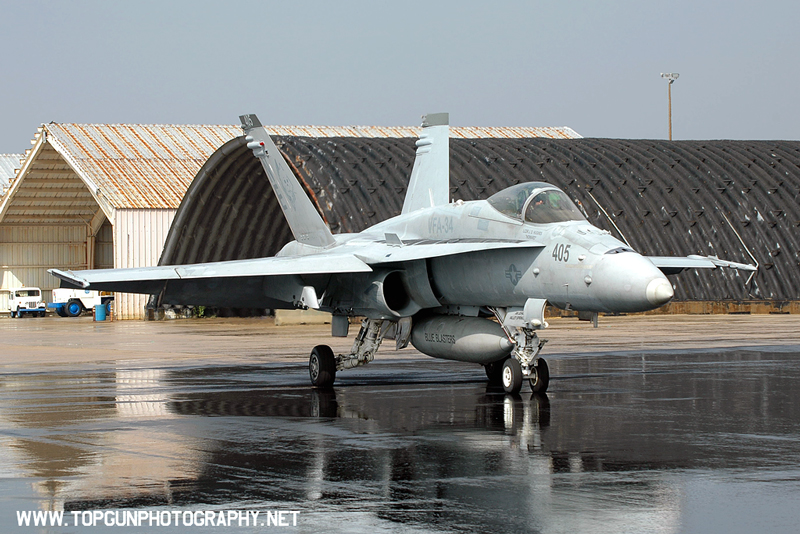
(661,445)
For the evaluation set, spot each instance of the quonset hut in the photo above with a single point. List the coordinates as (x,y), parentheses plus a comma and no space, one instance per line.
(734,199)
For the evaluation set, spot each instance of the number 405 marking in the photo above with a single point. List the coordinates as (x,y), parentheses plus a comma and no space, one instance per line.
(561,252)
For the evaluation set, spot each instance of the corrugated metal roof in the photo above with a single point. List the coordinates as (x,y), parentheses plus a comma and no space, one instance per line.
(151,166)
(9,163)
(456,132)
(138,166)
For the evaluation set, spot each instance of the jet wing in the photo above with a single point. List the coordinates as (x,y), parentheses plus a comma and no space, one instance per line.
(395,250)
(674,265)
(152,279)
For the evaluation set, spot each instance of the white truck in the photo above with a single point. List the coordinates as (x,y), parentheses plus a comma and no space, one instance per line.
(26,300)
(73,302)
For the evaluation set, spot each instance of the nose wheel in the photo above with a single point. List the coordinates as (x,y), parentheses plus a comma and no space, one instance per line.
(541,380)
(512,376)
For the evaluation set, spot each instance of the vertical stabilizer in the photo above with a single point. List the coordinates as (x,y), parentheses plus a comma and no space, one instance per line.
(303,218)
(429,184)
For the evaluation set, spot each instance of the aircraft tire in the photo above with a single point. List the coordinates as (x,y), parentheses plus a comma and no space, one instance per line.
(494,371)
(512,376)
(542,380)
(73,308)
(322,366)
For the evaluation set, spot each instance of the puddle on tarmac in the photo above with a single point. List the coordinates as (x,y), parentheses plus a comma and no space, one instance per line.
(647,442)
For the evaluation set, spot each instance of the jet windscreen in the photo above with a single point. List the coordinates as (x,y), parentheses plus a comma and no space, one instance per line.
(545,203)
(552,206)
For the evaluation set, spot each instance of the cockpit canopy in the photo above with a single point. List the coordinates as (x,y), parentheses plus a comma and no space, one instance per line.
(536,202)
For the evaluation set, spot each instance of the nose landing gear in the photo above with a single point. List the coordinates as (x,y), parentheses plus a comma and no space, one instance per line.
(513,375)
(520,325)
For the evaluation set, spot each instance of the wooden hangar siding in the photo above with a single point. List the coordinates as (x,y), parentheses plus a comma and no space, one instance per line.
(725,198)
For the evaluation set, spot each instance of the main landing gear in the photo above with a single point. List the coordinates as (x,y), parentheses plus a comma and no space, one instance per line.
(523,363)
(323,364)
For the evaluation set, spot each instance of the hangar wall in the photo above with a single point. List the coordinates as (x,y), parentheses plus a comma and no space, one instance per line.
(734,199)
(27,250)
(78,179)
(139,235)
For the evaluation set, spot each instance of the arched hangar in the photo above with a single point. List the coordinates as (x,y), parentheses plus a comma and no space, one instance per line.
(734,199)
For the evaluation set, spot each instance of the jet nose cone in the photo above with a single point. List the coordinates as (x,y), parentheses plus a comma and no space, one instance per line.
(659,291)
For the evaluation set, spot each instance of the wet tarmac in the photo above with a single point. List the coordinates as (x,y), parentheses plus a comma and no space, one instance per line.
(656,440)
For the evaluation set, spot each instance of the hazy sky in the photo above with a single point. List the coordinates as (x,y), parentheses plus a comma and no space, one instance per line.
(590,65)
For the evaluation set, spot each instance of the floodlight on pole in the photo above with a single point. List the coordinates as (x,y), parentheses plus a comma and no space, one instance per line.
(671,76)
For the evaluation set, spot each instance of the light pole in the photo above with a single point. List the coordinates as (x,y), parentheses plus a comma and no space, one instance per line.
(671,76)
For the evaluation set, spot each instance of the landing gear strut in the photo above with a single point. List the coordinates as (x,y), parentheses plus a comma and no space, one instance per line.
(322,365)
(525,364)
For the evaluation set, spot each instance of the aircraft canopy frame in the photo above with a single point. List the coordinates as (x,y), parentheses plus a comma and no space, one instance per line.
(537,203)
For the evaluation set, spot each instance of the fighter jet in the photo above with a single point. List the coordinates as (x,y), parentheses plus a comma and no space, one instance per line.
(464,281)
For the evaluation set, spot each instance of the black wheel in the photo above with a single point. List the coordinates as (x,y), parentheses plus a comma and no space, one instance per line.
(542,380)
(494,371)
(322,366)
(73,308)
(512,376)
(13,314)
(61,311)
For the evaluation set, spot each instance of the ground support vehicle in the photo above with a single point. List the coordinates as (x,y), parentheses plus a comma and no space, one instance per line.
(26,300)
(73,302)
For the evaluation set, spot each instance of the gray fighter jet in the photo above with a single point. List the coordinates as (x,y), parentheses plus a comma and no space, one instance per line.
(464,281)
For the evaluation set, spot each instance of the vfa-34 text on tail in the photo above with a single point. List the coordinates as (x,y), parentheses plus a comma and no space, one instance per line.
(464,281)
